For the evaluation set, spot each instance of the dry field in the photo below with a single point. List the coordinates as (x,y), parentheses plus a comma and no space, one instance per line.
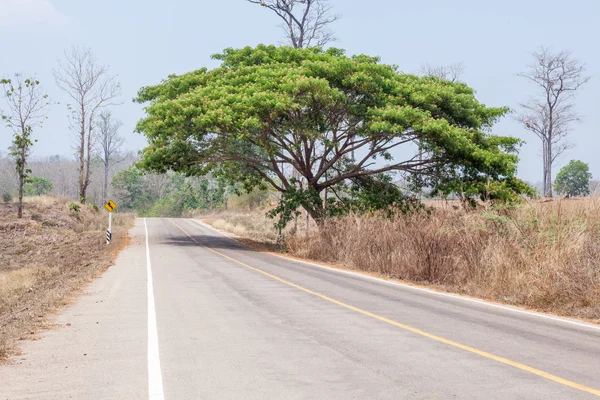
(45,258)
(544,254)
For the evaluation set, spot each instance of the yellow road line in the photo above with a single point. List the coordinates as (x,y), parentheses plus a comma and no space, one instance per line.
(407,327)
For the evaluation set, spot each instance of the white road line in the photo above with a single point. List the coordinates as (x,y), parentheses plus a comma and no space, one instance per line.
(155,384)
(421,289)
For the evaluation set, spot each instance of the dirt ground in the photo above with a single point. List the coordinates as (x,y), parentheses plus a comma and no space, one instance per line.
(45,259)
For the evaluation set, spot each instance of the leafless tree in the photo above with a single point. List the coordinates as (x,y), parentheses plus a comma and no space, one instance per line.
(306,22)
(27,109)
(157,185)
(550,114)
(91,87)
(109,146)
(452,72)
(595,188)
(61,171)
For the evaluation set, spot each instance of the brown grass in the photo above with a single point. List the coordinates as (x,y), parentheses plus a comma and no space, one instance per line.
(543,255)
(251,224)
(540,255)
(44,258)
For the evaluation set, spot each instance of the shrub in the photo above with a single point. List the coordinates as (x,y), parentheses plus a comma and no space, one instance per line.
(165,207)
(74,207)
(37,186)
(6,197)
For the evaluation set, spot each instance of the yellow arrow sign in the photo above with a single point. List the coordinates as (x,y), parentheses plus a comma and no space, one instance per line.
(110,206)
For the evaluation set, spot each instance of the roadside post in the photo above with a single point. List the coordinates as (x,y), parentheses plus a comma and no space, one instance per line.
(110,207)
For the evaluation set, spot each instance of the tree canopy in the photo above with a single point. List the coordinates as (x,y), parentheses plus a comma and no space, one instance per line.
(574,179)
(36,186)
(268,111)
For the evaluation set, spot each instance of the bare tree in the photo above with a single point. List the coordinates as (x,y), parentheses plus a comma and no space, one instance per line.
(305,22)
(452,72)
(550,115)
(109,145)
(91,87)
(157,185)
(27,109)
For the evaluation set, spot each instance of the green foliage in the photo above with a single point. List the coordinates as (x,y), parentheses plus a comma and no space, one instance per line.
(507,191)
(268,108)
(166,207)
(36,186)
(95,208)
(129,184)
(254,199)
(181,194)
(6,197)
(373,194)
(574,179)
(74,207)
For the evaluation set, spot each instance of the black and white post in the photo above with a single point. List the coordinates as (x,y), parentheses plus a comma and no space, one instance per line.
(109,230)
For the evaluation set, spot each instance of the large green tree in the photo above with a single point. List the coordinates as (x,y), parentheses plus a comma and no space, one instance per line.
(268,110)
(574,179)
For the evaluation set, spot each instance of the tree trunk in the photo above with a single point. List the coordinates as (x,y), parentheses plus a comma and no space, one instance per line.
(88,156)
(549,172)
(82,156)
(21,182)
(316,212)
(545,162)
(105,186)
(307,223)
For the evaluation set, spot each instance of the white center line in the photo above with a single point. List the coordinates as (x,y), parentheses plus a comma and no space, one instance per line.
(155,384)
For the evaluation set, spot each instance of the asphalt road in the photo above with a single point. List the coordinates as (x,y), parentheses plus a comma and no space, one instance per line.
(219,321)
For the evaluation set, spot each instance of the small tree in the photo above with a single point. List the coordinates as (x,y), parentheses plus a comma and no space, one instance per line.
(27,109)
(37,186)
(110,144)
(574,179)
(129,185)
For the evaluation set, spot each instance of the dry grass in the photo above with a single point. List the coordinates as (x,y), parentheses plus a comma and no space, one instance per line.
(251,224)
(42,200)
(544,254)
(541,255)
(45,258)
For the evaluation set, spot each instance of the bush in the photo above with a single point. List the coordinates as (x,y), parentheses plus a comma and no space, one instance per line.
(250,201)
(74,207)
(7,197)
(165,207)
(37,186)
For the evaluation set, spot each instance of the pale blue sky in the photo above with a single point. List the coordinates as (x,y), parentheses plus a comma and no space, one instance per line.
(145,40)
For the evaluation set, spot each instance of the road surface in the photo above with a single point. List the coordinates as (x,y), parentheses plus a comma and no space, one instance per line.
(188,313)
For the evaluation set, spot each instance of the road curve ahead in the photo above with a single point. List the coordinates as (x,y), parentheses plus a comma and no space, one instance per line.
(188,313)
